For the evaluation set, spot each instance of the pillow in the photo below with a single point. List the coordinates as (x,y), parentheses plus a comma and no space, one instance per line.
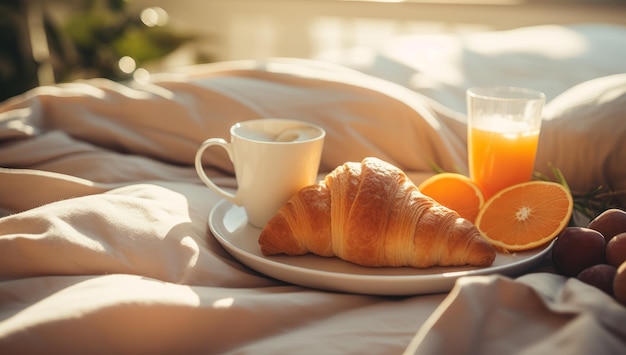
(583,134)
(169,117)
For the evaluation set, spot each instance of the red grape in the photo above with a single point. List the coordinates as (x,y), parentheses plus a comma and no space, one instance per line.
(600,276)
(619,284)
(616,250)
(610,223)
(576,249)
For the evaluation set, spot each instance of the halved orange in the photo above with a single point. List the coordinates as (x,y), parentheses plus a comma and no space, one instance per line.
(455,191)
(525,216)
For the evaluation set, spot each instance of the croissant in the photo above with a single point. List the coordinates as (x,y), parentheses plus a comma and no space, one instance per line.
(371,214)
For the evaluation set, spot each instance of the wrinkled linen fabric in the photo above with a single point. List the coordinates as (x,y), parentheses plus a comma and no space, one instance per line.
(105,247)
(538,313)
(167,119)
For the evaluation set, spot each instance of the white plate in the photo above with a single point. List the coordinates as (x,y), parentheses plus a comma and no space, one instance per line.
(230,227)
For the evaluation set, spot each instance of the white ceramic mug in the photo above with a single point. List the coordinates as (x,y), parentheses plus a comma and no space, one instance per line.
(273,159)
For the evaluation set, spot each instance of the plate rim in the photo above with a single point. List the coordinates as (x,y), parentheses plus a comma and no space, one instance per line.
(445,277)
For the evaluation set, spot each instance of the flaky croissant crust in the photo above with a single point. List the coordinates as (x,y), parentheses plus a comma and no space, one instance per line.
(371,214)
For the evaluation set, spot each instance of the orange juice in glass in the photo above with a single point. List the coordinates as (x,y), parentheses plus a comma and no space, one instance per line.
(503,134)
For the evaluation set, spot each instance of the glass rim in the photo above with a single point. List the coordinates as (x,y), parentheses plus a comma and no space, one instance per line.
(505,93)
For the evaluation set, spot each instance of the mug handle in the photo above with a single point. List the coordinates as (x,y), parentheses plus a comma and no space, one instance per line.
(202,175)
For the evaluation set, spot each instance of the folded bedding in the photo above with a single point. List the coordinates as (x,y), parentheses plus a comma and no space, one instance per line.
(105,245)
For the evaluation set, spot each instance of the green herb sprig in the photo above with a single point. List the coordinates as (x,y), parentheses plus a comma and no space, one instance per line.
(588,203)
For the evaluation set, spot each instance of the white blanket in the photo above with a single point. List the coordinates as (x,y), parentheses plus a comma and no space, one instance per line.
(105,248)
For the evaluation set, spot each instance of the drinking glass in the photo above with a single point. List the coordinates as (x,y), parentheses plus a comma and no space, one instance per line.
(503,134)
